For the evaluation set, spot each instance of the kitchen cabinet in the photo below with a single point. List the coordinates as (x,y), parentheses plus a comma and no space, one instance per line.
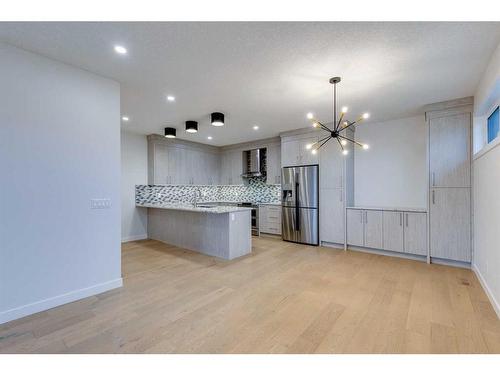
(450,224)
(331,166)
(273,164)
(449,148)
(373,229)
(160,167)
(415,233)
(355,227)
(331,214)
(294,151)
(231,168)
(270,219)
(450,179)
(393,231)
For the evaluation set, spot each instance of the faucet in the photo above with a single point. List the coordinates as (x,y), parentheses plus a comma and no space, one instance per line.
(197,195)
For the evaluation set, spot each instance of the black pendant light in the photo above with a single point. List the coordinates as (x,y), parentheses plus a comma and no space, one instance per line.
(339,125)
(192,126)
(170,132)
(217,118)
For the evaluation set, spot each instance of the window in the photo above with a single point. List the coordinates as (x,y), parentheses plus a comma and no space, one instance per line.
(493,122)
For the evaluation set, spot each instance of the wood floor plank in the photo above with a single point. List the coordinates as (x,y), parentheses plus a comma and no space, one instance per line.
(282,298)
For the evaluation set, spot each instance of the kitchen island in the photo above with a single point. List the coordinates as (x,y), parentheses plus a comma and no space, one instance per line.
(220,231)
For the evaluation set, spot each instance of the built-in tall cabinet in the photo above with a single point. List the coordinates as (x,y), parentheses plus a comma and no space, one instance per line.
(450,179)
(181,162)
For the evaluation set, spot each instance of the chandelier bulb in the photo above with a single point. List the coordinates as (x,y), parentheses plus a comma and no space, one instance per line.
(314,151)
(343,142)
(310,116)
(344,109)
(366,115)
(366,147)
(345,152)
(309,146)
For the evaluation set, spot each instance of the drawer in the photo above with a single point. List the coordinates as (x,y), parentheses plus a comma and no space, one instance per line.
(271,228)
(272,217)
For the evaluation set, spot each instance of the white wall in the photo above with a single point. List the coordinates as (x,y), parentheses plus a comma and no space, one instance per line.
(486,187)
(392,173)
(134,151)
(59,148)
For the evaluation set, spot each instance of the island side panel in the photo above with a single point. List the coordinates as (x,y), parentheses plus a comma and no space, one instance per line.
(240,234)
(207,233)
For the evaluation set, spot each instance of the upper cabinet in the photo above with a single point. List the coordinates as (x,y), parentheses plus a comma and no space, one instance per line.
(294,150)
(273,164)
(181,163)
(450,150)
(231,167)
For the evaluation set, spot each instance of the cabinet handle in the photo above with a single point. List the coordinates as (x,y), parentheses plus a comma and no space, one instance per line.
(407,220)
(400,219)
(361,216)
(433,197)
(433,179)
(366,217)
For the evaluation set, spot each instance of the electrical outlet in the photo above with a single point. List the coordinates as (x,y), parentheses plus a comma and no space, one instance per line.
(97,204)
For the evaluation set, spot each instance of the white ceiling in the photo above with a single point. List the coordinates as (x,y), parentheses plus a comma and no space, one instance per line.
(268,74)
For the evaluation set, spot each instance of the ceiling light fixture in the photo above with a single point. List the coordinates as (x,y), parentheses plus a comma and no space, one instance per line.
(192,126)
(217,118)
(170,132)
(209,138)
(339,125)
(125,118)
(171,98)
(120,50)
(255,127)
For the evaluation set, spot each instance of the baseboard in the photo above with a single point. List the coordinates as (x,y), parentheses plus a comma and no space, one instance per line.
(451,263)
(32,308)
(491,297)
(369,250)
(135,238)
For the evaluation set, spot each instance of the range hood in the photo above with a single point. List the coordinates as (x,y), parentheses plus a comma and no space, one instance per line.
(254,163)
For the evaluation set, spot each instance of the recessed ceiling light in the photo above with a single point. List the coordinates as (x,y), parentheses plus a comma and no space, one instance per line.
(171,98)
(209,138)
(120,50)
(125,118)
(255,127)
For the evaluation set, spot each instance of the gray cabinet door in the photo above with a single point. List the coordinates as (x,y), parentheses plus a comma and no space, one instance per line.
(450,224)
(450,151)
(273,164)
(393,230)
(160,164)
(225,172)
(373,229)
(236,167)
(355,227)
(415,229)
(331,165)
(331,215)
(290,153)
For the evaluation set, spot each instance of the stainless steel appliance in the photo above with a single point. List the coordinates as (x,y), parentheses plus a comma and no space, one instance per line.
(254,163)
(300,192)
(254,216)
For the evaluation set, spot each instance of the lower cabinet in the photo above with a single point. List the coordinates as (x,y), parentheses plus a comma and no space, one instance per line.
(331,215)
(270,219)
(401,231)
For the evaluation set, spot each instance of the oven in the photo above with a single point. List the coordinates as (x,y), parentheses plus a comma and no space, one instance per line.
(254,216)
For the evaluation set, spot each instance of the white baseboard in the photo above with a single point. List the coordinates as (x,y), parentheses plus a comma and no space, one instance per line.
(32,308)
(135,238)
(491,297)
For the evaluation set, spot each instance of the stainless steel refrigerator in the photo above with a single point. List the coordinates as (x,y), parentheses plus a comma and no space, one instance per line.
(299,205)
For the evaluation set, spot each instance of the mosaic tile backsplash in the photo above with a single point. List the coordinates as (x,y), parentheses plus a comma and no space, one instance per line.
(256,191)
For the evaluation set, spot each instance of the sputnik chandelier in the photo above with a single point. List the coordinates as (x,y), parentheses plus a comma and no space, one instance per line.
(338,126)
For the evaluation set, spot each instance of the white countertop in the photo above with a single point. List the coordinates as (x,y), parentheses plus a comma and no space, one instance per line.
(405,209)
(190,207)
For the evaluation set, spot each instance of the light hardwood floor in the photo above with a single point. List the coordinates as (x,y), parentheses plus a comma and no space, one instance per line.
(284,298)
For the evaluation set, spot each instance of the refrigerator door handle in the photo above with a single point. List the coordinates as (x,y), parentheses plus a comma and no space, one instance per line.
(297,223)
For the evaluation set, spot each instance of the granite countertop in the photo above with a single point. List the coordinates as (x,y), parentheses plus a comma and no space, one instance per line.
(189,207)
(270,204)
(399,209)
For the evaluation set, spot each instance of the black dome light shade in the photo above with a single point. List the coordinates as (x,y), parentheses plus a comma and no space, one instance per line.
(217,118)
(170,132)
(192,126)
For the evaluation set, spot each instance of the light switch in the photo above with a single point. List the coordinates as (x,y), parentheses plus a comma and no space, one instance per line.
(97,204)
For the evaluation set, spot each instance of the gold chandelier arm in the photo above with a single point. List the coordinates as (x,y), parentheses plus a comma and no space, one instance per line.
(351,140)
(327,139)
(340,143)
(324,127)
(340,120)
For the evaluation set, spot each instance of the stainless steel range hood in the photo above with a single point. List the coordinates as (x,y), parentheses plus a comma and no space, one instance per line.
(254,163)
